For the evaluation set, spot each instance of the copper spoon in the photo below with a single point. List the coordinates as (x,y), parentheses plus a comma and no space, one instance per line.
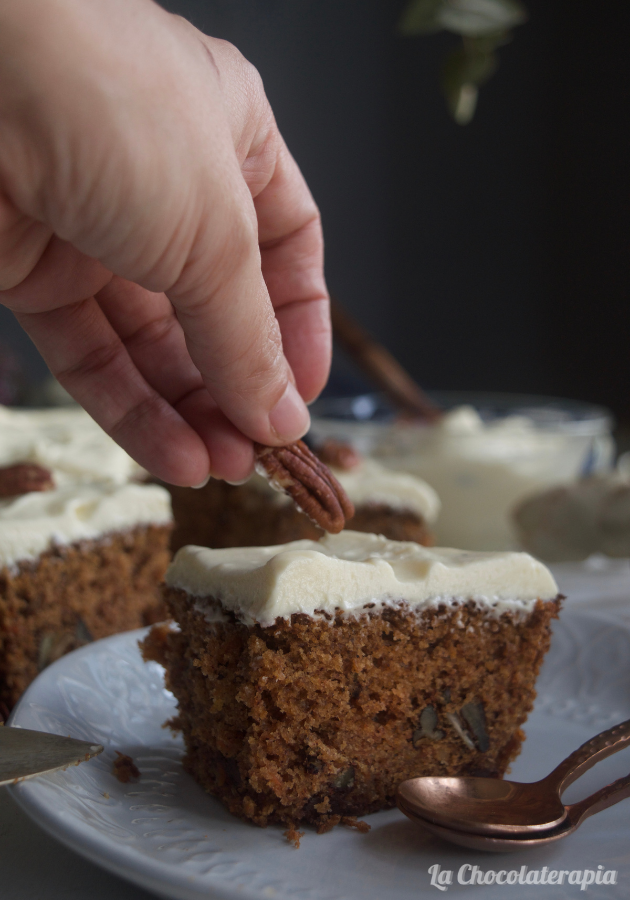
(575,814)
(487,807)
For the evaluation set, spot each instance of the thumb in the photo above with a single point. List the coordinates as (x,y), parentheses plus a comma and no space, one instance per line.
(231,330)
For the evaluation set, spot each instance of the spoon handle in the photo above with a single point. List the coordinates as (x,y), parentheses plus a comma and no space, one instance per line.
(594,750)
(602,799)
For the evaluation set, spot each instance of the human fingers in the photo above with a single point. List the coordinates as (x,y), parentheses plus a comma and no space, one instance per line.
(132,359)
(292,266)
(231,330)
(54,275)
(22,242)
(151,334)
(289,228)
(148,330)
(139,171)
(90,360)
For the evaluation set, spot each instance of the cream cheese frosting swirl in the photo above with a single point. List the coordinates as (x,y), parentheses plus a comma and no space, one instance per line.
(33,523)
(67,442)
(94,492)
(350,570)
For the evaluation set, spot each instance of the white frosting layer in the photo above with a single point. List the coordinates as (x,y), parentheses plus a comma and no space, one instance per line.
(371,482)
(346,571)
(32,523)
(67,442)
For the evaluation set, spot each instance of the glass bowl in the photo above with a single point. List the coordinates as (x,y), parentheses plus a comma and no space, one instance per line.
(488,453)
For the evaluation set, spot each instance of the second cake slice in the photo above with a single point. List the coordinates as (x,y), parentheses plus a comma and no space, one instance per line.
(314,677)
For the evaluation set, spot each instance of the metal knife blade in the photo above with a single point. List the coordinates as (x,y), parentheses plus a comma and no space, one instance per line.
(25,754)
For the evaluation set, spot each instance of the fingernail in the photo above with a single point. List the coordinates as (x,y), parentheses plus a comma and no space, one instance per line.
(289,418)
(237,483)
(201,484)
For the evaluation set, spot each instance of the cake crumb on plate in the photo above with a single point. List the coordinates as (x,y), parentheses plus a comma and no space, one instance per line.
(124,768)
(294,836)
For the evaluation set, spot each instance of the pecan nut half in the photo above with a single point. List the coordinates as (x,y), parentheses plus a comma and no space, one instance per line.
(24,478)
(296,471)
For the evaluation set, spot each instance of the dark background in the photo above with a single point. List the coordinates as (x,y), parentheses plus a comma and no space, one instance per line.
(491,256)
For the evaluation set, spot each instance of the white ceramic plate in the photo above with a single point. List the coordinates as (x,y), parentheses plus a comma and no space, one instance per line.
(166,834)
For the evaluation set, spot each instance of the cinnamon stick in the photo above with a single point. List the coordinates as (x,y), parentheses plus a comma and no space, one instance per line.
(380,366)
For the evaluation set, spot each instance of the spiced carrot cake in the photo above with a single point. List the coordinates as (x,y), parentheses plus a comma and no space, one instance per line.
(395,504)
(313,678)
(82,548)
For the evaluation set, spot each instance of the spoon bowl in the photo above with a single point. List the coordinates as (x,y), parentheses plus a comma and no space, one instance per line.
(483,805)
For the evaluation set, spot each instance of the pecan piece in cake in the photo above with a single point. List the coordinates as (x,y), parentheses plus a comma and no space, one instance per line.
(474,716)
(340,455)
(296,471)
(427,727)
(24,478)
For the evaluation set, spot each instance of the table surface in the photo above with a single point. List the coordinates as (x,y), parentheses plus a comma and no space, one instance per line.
(36,867)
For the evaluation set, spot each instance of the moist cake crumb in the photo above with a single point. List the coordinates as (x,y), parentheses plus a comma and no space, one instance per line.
(294,836)
(353,822)
(124,768)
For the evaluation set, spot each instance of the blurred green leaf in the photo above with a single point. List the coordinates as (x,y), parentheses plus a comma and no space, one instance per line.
(483,25)
(478,17)
(462,103)
(472,62)
(486,43)
(465,70)
(420,17)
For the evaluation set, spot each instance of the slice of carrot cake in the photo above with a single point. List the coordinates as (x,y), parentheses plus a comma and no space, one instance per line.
(395,504)
(76,564)
(83,548)
(313,678)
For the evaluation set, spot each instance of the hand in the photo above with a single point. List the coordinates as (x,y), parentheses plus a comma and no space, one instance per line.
(157,240)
